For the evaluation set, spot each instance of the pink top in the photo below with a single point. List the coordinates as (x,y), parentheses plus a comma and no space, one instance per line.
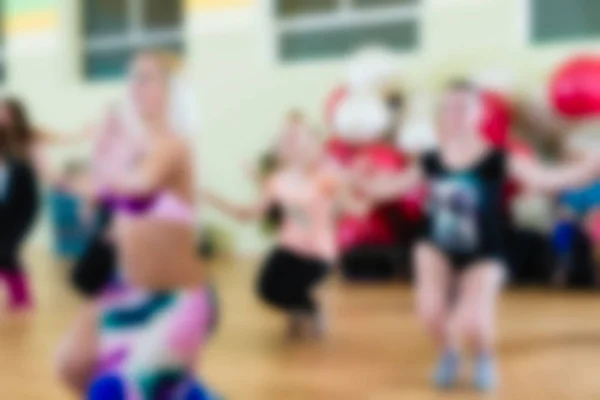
(165,206)
(308,226)
(170,207)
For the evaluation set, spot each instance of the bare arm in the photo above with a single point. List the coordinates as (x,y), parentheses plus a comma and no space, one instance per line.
(552,179)
(390,186)
(82,188)
(150,176)
(350,203)
(324,217)
(243,213)
(41,162)
(46,136)
(348,199)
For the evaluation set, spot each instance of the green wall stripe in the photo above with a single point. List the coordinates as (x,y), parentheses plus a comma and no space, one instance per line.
(16,7)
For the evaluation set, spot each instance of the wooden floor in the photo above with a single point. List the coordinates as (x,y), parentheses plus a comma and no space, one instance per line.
(549,346)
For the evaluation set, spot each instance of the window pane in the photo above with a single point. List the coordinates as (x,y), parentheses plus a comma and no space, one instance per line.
(342,41)
(560,19)
(162,14)
(105,17)
(383,3)
(113,64)
(294,8)
(107,64)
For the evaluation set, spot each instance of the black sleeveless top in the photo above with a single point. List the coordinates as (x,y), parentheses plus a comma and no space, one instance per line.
(466,214)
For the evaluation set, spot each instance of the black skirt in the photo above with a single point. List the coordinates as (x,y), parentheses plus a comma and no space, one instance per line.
(288,279)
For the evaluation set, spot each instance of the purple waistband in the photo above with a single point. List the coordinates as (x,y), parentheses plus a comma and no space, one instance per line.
(134,206)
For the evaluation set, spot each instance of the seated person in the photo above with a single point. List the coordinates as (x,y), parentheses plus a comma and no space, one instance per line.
(583,206)
(71,215)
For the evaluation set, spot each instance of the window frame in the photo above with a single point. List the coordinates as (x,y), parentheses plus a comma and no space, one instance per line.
(136,36)
(527,28)
(345,15)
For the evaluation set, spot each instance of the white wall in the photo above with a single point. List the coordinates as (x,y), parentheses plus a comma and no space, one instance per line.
(245,92)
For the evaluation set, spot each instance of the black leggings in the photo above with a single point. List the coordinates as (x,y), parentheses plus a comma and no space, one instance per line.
(287,280)
(372,263)
(9,257)
(97,266)
(11,242)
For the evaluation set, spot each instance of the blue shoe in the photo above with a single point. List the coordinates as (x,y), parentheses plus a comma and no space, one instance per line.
(107,387)
(485,376)
(197,391)
(447,371)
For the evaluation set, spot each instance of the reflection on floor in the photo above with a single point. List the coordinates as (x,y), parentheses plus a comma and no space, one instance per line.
(549,345)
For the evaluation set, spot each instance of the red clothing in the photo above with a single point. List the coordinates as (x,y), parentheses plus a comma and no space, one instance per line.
(370,230)
(520,148)
(341,151)
(380,227)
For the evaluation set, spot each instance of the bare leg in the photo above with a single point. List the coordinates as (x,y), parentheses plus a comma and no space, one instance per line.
(474,318)
(78,353)
(318,324)
(433,280)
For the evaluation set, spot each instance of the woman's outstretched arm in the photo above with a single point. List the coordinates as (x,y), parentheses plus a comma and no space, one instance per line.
(46,136)
(552,179)
(243,213)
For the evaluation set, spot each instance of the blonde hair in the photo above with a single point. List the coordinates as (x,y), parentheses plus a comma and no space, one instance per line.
(168,61)
(183,112)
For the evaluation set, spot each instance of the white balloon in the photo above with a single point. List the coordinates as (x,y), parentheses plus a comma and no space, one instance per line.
(362,117)
(370,67)
(418,136)
(418,132)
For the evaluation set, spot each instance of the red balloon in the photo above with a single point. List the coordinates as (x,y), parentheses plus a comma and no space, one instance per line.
(333,102)
(383,157)
(497,118)
(575,87)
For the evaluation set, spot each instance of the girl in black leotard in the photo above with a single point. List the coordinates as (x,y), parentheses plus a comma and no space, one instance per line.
(18,208)
(462,248)
(24,142)
(19,200)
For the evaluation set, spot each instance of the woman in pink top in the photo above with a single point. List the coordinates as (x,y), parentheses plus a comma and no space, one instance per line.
(300,195)
(142,338)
